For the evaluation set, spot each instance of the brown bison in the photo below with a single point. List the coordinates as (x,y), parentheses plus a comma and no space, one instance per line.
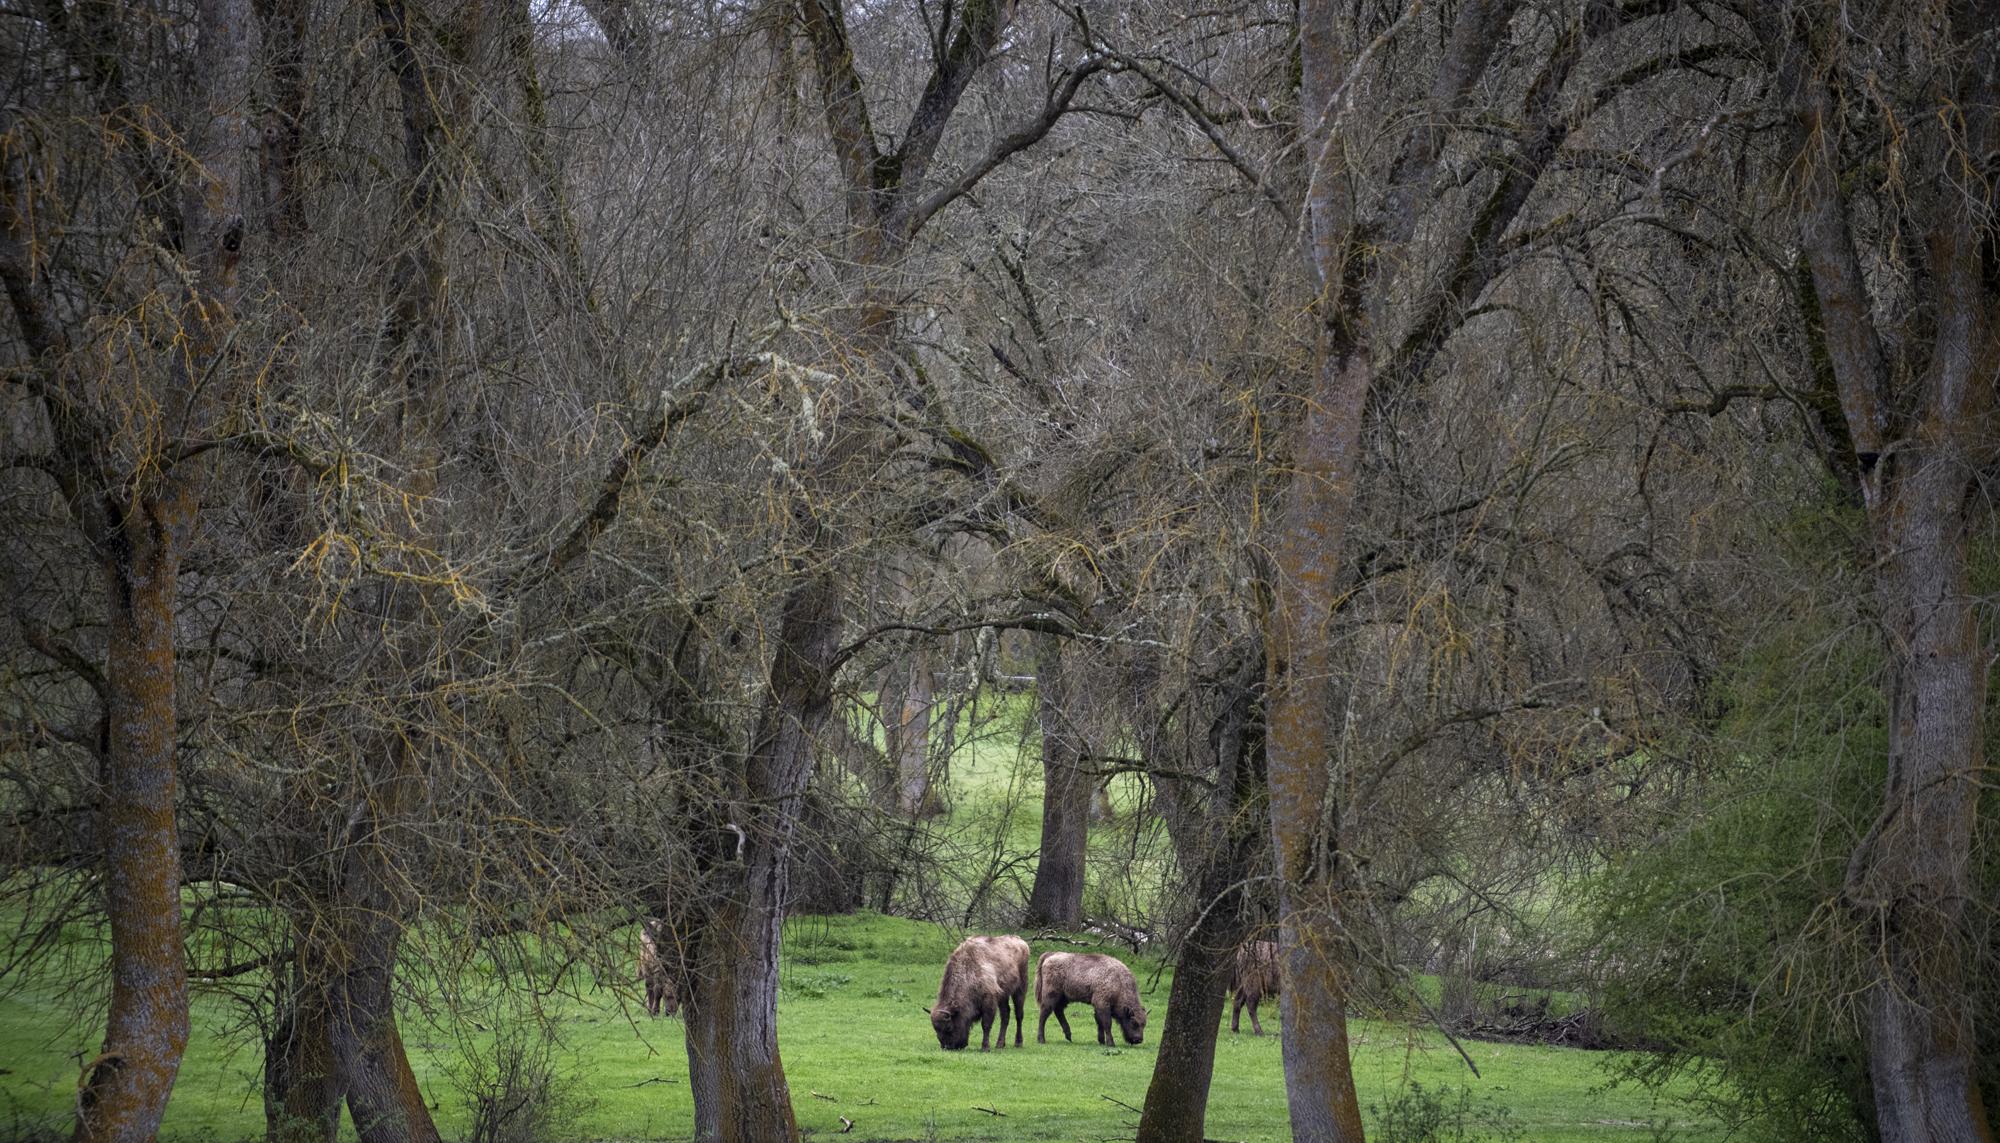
(653,972)
(981,976)
(1253,977)
(1103,982)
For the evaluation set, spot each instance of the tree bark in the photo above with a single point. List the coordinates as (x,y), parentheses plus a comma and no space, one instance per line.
(911,749)
(125,1089)
(1305,806)
(1223,848)
(375,1076)
(302,1095)
(1057,896)
(737,1077)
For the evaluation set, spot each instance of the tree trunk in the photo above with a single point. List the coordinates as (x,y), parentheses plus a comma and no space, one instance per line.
(1305,808)
(302,1094)
(912,749)
(125,1088)
(140,523)
(1918,414)
(1223,849)
(737,1078)
(1057,896)
(1916,873)
(829,865)
(1176,1108)
(381,1090)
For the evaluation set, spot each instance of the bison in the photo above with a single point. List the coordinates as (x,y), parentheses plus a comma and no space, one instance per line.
(1253,977)
(653,972)
(981,976)
(1103,982)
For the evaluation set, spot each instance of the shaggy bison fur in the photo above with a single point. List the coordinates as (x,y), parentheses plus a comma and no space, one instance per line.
(1103,982)
(981,976)
(1253,978)
(653,972)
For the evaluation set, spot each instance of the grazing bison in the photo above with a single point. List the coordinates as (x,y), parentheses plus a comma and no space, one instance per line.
(1103,982)
(983,974)
(653,973)
(1254,977)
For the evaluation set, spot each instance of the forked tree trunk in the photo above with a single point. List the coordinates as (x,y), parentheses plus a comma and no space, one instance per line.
(1057,896)
(139,523)
(382,1094)
(125,1088)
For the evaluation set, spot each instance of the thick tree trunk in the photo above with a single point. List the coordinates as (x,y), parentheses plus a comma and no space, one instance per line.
(382,1093)
(1305,807)
(737,1078)
(1913,875)
(125,1089)
(1057,896)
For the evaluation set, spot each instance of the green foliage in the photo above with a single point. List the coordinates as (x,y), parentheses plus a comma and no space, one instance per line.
(516,1084)
(815,985)
(1443,1114)
(1726,944)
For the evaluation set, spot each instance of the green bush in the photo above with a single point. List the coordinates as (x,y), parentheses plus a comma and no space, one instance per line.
(1443,1114)
(1725,945)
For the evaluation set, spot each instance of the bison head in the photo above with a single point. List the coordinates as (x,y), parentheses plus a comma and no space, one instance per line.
(1132,1021)
(953,1026)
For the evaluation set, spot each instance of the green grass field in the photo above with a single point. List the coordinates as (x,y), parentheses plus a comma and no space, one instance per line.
(854,1037)
(856,1043)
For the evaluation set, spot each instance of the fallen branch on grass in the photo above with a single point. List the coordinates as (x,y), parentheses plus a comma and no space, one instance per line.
(989,1111)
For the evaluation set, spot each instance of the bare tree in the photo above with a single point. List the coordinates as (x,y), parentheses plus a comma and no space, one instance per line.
(127,459)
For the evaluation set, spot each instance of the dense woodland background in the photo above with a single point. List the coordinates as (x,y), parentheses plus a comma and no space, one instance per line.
(1505,483)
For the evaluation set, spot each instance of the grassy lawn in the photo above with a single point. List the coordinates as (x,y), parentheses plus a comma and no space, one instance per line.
(856,1043)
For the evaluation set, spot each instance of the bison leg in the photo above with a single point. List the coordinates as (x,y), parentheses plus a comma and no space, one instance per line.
(1041,1033)
(1020,1015)
(1103,1026)
(1236,1015)
(1255,1027)
(1003,1021)
(986,1032)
